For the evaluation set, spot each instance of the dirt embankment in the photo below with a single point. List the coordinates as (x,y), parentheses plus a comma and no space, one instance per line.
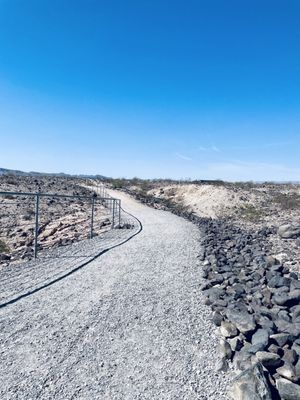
(246,205)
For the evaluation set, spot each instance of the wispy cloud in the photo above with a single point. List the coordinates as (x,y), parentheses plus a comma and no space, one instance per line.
(183,157)
(201,148)
(209,149)
(216,149)
(263,146)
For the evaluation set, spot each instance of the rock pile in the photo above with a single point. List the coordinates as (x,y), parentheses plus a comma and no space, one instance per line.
(256,304)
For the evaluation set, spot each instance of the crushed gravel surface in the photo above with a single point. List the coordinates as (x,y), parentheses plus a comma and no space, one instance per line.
(129,325)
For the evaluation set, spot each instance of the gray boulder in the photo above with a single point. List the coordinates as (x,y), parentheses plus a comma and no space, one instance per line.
(221,365)
(289,231)
(281,338)
(225,349)
(236,343)
(244,321)
(287,389)
(287,371)
(260,339)
(228,329)
(251,384)
(268,359)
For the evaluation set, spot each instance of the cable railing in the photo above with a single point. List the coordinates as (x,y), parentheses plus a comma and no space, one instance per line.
(30,222)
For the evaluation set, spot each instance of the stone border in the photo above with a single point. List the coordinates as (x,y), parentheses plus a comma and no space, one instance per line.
(255,300)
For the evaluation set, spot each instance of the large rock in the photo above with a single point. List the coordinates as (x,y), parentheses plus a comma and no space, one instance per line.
(287,371)
(290,356)
(260,339)
(221,365)
(241,318)
(251,384)
(228,329)
(295,311)
(281,299)
(217,319)
(281,338)
(289,231)
(284,326)
(287,389)
(278,281)
(225,349)
(268,359)
(236,343)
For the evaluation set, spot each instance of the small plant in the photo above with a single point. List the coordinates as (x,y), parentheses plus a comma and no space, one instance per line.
(29,214)
(250,213)
(11,180)
(145,186)
(3,247)
(8,197)
(118,183)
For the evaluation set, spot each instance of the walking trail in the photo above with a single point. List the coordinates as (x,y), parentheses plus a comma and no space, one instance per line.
(129,325)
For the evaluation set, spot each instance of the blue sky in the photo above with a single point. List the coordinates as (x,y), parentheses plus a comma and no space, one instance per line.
(200,89)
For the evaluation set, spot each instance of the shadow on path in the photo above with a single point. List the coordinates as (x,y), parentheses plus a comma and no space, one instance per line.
(72,271)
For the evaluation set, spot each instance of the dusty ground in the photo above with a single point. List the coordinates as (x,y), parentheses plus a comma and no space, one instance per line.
(62,220)
(129,325)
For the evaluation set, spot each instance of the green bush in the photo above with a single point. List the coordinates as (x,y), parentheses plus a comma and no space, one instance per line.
(118,183)
(3,247)
(250,213)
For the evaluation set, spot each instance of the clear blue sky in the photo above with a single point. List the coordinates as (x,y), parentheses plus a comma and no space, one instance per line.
(200,89)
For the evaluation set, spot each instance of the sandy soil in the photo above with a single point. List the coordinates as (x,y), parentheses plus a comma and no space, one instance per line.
(206,200)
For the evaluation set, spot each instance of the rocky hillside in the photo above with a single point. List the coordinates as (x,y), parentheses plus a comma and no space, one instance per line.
(62,220)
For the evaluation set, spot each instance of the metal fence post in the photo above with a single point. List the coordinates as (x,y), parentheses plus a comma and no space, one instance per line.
(113,214)
(36,232)
(92,218)
(119,213)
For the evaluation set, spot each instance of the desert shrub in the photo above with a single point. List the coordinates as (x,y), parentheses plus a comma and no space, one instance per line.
(248,185)
(8,197)
(118,183)
(135,181)
(145,186)
(250,213)
(29,214)
(3,247)
(213,182)
(11,180)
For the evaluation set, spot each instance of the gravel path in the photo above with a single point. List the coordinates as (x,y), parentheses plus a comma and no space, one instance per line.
(129,325)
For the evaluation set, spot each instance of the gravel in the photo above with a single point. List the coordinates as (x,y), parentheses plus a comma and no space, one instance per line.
(129,325)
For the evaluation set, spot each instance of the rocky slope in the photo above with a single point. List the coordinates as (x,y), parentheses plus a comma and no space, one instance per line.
(62,220)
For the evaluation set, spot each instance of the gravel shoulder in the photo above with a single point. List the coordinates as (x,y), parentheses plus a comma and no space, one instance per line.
(129,325)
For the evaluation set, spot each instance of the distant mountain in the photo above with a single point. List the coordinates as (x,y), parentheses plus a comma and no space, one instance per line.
(5,171)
